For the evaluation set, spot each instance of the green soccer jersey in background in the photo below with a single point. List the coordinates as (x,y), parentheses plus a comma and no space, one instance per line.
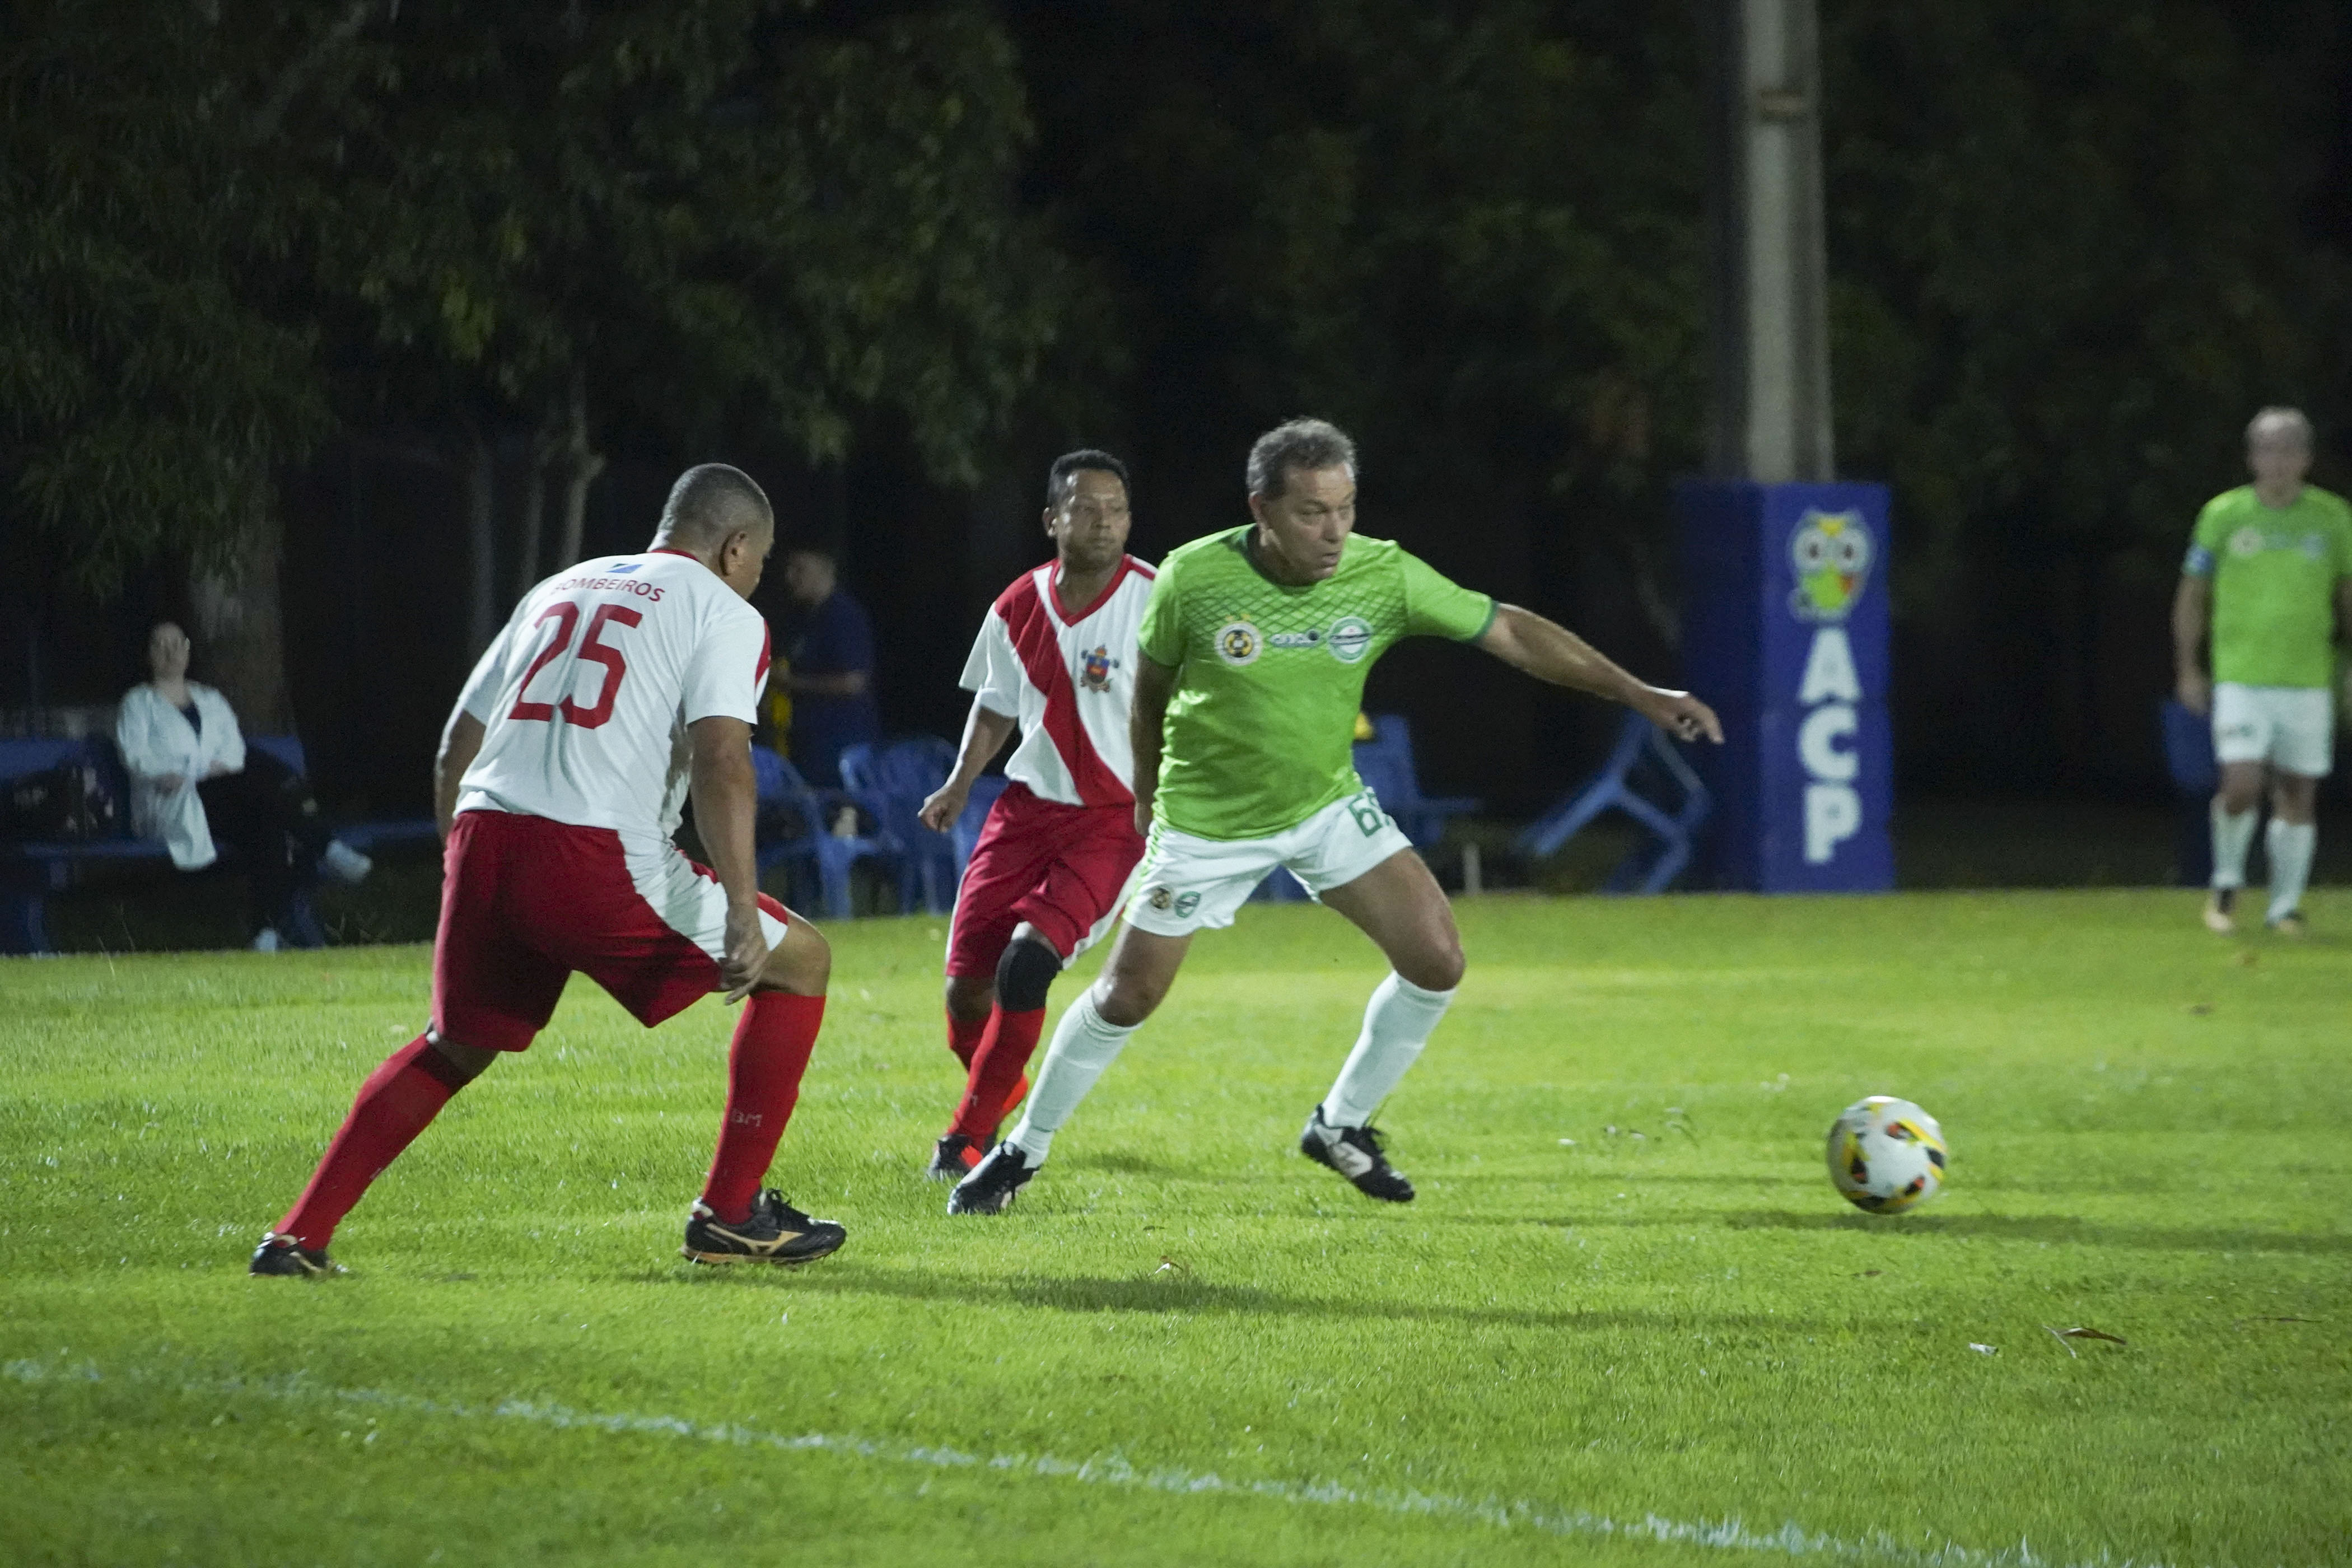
(1261,727)
(2273,571)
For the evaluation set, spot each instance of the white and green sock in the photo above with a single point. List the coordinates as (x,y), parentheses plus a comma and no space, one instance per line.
(1398,1021)
(1084,1045)
(2290,845)
(2233,835)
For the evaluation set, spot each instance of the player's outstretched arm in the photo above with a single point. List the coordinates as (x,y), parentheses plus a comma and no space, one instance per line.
(461,742)
(1550,652)
(984,734)
(726,799)
(1155,683)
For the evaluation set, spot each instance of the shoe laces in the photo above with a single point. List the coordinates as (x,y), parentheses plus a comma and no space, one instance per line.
(1369,1137)
(771,1203)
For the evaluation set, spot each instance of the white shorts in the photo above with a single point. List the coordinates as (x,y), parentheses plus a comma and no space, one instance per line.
(1187,884)
(2293,727)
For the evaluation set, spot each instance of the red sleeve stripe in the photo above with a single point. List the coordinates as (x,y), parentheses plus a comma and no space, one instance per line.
(766,638)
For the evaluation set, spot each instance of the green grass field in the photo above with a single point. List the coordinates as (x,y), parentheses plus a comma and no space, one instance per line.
(1627,1321)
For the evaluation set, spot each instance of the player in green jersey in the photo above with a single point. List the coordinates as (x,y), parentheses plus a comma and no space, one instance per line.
(1254,647)
(2270,570)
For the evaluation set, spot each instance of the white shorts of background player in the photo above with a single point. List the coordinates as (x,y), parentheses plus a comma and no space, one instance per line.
(1188,884)
(2293,727)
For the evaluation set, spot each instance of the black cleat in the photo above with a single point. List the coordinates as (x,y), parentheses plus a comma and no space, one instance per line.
(284,1255)
(994,1182)
(1355,1153)
(953,1159)
(775,1233)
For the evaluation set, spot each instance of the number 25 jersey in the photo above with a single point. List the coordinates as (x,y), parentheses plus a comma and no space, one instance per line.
(586,695)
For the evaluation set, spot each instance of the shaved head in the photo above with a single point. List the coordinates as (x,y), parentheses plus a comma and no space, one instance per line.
(711,503)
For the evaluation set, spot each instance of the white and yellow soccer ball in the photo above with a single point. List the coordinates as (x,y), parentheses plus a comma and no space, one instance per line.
(1886,1154)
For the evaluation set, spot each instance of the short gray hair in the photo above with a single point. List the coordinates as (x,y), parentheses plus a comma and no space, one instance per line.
(1297,444)
(2279,413)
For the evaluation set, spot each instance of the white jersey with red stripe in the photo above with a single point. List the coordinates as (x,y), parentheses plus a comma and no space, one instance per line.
(586,695)
(1068,676)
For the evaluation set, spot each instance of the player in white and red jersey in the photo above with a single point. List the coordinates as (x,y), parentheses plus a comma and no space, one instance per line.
(615,687)
(1056,658)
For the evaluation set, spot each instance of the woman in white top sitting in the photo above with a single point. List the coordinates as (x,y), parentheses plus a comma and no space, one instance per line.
(194,783)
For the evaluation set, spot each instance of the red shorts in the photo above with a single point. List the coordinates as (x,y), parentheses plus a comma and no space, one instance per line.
(1063,869)
(525,901)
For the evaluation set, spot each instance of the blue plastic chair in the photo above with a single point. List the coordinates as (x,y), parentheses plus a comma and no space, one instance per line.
(816,849)
(1385,762)
(2189,750)
(2188,761)
(892,783)
(1650,868)
(965,835)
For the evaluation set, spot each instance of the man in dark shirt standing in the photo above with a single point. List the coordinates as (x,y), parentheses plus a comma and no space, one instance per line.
(828,647)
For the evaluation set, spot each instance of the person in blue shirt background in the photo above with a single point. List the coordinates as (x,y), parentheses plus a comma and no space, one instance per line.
(828,650)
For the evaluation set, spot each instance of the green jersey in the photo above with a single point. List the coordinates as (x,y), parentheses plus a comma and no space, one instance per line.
(1262,724)
(2274,571)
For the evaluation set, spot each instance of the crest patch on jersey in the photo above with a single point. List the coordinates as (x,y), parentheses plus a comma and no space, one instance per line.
(1094,666)
(1238,643)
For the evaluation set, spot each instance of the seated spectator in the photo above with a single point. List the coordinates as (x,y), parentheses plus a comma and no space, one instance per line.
(193,782)
(828,656)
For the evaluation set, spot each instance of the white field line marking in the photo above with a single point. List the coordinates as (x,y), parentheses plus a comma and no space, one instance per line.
(1113,1470)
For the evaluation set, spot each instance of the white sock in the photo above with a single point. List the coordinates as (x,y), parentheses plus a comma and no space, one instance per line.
(2232,837)
(2290,845)
(1083,1046)
(1397,1024)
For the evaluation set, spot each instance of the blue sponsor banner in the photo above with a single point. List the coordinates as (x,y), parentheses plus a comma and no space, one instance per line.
(1785,634)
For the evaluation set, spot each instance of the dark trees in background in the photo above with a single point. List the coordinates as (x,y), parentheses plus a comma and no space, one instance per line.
(515,263)
(2072,247)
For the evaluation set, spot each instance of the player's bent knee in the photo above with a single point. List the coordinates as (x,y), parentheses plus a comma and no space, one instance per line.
(802,963)
(1440,970)
(465,1063)
(1025,972)
(1125,1003)
(968,997)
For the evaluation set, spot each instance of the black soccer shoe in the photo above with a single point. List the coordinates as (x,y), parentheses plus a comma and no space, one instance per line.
(994,1182)
(775,1233)
(1355,1153)
(284,1255)
(953,1159)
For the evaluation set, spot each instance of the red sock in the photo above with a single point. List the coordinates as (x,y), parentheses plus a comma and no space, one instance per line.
(400,1099)
(772,1041)
(965,1038)
(996,1082)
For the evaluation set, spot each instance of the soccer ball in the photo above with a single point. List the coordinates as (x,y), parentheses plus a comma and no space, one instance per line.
(1886,1155)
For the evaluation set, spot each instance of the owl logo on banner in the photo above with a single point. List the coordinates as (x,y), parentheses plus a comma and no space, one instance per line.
(1832,552)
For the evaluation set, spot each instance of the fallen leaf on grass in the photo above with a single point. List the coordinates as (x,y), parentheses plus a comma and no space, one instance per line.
(2063,1335)
(1984,1349)
(1870,1274)
(2248,958)
(2200,1008)
(1169,1266)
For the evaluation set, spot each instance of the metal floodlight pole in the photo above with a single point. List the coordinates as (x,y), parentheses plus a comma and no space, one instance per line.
(1769,415)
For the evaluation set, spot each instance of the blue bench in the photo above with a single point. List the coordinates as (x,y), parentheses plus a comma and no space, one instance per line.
(30,870)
